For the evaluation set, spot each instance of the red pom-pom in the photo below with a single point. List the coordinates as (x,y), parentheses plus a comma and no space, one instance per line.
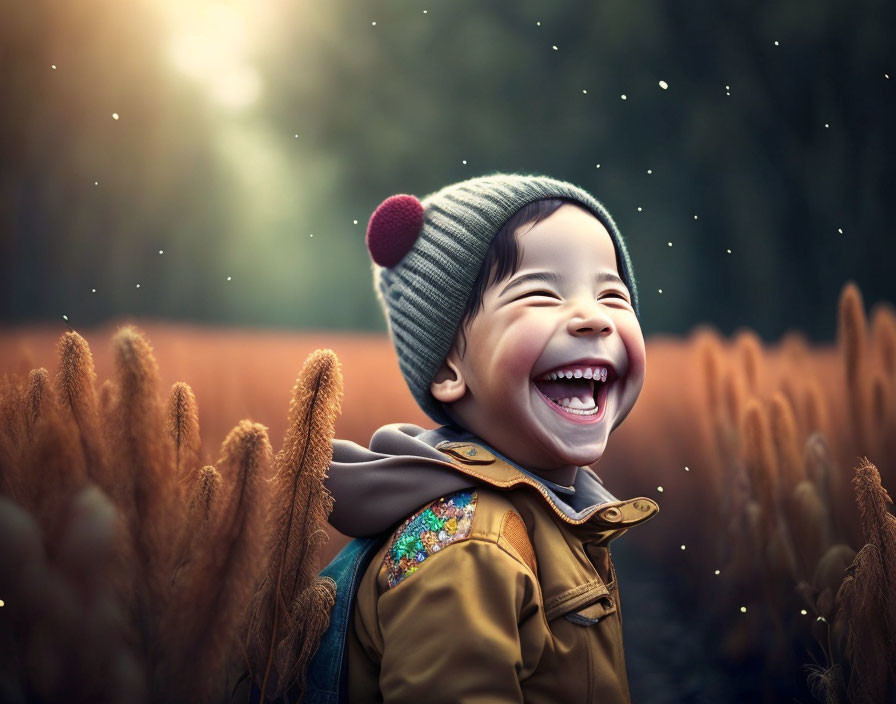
(393,229)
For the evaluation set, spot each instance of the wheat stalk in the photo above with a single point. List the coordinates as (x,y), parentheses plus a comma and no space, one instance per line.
(300,508)
(851,333)
(12,434)
(710,356)
(786,442)
(709,352)
(202,518)
(865,647)
(883,337)
(794,390)
(65,623)
(814,405)
(54,458)
(225,566)
(828,576)
(183,428)
(810,526)
(294,651)
(879,529)
(38,396)
(749,350)
(759,458)
(146,488)
(150,600)
(203,499)
(75,389)
(833,486)
(826,683)
(734,391)
(880,405)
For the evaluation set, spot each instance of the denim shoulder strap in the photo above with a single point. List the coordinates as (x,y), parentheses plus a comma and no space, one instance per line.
(327,672)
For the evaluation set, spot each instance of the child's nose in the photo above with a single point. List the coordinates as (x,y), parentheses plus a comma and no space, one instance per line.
(589,318)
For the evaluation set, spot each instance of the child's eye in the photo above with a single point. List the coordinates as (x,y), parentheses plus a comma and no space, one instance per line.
(550,294)
(618,295)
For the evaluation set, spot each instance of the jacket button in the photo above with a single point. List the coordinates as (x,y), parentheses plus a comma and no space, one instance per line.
(612,514)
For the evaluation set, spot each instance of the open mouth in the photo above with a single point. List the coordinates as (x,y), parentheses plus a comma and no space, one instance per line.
(578,393)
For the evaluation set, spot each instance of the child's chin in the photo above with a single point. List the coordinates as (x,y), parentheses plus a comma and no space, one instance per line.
(584,456)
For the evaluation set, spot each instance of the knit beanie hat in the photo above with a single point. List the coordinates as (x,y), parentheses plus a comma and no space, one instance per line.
(427,255)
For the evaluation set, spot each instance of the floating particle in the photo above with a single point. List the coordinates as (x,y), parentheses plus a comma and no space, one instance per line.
(2,603)
(597,166)
(425,11)
(840,230)
(718,572)
(683,547)
(354,222)
(138,285)
(373,24)
(743,609)
(65,317)
(669,243)
(228,278)
(554,47)
(296,136)
(623,96)
(114,115)
(776,42)
(827,125)
(803,612)
(664,85)
(538,24)
(96,183)
(161,251)
(822,619)
(727,87)
(639,208)
(464,162)
(93,290)
(728,250)
(695,217)
(584,92)
(649,171)
(660,290)
(686,469)
(659,489)
(311,235)
(887,76)
(53,66)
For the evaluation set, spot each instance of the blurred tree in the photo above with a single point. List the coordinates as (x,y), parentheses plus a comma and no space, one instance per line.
(774,147)
(103,161)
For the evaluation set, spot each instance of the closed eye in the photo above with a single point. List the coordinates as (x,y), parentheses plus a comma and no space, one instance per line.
(618,295)
(550,294)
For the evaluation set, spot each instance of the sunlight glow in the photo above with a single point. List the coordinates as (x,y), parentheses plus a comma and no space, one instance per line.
(210,43)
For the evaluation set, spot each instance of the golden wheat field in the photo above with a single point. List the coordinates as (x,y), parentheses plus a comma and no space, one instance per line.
(151,470)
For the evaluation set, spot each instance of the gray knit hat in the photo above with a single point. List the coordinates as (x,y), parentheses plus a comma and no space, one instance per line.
(427,255)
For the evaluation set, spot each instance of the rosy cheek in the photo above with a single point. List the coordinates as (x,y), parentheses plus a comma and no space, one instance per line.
(637,353)
(521,350)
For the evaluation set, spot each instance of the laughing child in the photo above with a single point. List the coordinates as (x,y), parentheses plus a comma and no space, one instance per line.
(513,309)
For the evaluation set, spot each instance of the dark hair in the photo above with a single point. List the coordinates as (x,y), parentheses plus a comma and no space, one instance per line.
(502,260)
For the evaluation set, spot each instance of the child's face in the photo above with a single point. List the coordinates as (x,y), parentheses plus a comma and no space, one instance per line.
(553,314)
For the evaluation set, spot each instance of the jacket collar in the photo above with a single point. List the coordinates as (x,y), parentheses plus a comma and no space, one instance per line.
(470,455)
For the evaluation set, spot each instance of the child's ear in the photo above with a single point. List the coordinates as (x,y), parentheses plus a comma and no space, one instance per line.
(448,385)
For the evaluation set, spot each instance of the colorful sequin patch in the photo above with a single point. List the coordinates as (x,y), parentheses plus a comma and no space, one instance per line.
(426,532)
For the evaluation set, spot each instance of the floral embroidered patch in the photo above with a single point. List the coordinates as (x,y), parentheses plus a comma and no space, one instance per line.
(429,530)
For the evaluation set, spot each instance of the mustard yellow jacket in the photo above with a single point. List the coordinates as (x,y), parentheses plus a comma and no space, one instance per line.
(496,592)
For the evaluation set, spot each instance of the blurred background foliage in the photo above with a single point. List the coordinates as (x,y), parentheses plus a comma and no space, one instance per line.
(250,140)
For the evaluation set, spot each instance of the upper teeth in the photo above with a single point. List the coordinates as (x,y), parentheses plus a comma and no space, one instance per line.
(598,373)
